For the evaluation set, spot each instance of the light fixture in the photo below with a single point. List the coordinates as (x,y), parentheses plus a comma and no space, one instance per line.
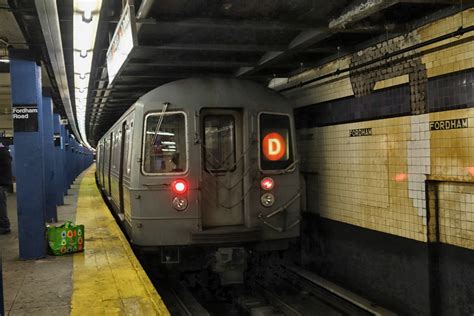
(179,186)
(83,53)
(85,23)
(267,184)
(180,203)
(267,199)
(87,16)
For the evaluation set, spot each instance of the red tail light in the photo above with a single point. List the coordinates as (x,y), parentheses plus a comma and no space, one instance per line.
(267,184)
(179,186)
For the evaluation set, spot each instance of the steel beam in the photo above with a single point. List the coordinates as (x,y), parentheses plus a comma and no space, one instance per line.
(210,47)
(310,37)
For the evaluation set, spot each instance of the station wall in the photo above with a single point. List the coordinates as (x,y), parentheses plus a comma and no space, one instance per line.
(6,124)
(373,142)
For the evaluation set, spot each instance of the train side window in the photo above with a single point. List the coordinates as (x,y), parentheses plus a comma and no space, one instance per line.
(128,148)
(165,143)
(219,142)
(275,141)
(116,150)
(109,150)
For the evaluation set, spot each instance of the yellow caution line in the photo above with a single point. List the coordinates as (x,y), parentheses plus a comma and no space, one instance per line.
(107,277)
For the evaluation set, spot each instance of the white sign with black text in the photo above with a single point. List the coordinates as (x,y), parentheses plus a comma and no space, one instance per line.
(122,43)
(25,117)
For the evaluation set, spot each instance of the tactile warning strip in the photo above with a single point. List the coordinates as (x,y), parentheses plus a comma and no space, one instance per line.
(107,277)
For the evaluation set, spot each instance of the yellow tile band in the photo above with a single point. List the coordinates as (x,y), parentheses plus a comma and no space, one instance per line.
(107,277)
(392,82)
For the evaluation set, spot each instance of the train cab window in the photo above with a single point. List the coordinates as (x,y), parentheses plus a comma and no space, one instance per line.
(165,143)
(219,142)
(276,148)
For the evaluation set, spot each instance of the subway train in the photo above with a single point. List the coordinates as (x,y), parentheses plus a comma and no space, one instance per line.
(204,170)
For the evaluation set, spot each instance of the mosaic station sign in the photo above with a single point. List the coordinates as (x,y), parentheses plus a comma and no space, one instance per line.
(360,132)
(448,124)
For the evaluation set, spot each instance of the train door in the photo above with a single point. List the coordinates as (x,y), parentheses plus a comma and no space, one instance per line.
(102,162)
(111,146)
(99,159)
(122,151)
(105,164)
(222,184)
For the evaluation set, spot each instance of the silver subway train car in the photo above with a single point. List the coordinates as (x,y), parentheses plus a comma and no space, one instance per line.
(204,162)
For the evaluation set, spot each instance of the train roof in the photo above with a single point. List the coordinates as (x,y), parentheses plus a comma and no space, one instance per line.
(195,93)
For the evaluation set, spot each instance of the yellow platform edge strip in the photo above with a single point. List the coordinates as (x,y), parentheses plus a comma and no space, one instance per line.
(107,277)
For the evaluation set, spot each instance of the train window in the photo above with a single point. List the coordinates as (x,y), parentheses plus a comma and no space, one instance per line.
(128,148)
(276,148)
(165,143)
(116,150)
(219,142)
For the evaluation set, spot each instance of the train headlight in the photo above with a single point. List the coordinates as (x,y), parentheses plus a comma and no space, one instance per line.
(267,199)
(179,186)
(180,203)
(267,184)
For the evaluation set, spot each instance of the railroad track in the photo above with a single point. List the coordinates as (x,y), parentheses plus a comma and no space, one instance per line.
(293,291)
(290,291)
(179,301)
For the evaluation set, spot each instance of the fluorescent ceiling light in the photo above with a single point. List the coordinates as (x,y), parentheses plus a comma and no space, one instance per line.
(85,22)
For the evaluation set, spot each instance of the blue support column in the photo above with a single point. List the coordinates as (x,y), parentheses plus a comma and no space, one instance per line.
(26,96)
(77,160)
(64,182)
(58,161)
(68,159)
(49,161)
(81,159)
(73,159)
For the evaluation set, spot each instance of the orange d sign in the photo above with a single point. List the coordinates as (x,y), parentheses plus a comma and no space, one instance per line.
(274,146)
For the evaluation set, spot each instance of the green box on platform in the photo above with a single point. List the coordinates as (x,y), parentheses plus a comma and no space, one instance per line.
(64,239)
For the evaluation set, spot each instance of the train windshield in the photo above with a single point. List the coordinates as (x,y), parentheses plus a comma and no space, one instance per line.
(276,148)
(165,143)
(219,142)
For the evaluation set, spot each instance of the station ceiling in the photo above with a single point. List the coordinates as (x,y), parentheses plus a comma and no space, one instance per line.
(9,32)
(257,40)
(17,33)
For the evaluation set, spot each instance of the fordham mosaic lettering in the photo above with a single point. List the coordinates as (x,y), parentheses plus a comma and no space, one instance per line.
(360,132)
(448,124)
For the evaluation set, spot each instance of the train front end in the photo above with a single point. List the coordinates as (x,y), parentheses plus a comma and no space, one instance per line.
(217,175)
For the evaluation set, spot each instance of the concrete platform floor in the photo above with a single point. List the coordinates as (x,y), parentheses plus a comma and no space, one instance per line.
(37,287)
(105,279)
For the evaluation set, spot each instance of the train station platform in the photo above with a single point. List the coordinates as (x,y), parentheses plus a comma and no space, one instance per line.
(106,278)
